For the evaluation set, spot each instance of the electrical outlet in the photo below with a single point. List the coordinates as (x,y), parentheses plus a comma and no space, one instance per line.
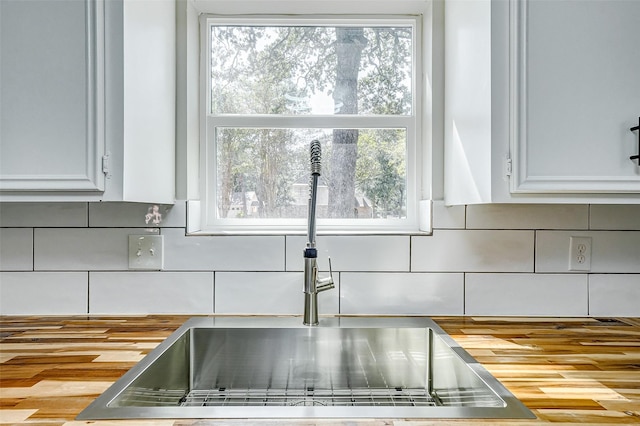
(146,252)
(579,253)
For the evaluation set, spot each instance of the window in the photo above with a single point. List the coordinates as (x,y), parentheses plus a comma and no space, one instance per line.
(275,84)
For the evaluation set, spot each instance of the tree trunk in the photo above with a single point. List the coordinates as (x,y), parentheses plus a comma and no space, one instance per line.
(225,178)
(350,42)
(267,184)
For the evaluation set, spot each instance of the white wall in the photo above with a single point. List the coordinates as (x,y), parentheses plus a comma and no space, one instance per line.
(72,258)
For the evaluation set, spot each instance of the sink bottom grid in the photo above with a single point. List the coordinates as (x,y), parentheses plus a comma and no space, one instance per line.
(308,397)
(394,397)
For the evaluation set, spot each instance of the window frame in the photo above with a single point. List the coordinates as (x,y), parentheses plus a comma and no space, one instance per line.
(413,123)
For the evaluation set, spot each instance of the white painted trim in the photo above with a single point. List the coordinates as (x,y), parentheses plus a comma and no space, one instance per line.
(19,183)
(301,7)
(425,212)
(95,91)
(416,168)
(516,25)
(576,184)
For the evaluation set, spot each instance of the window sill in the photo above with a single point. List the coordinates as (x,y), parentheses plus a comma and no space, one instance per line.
(195,221)
(298,233)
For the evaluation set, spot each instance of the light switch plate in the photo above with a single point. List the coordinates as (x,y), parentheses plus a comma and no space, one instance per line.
(146,252)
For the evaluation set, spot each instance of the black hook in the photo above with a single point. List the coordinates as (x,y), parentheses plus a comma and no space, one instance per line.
(633,129)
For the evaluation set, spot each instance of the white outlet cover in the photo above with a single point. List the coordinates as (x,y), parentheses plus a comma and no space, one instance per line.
(580,253)
(146,252)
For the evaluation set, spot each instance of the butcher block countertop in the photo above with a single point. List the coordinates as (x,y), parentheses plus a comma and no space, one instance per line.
(573,371)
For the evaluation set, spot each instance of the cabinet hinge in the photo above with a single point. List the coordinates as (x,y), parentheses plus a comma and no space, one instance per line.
(105,164)
(508,166)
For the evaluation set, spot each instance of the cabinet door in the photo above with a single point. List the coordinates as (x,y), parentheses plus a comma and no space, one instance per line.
(577,94)
(51,125)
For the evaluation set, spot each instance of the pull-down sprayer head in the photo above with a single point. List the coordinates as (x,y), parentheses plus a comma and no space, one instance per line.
(316,156)
(315,151)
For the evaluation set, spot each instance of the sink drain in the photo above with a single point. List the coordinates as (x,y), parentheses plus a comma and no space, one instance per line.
(307,403)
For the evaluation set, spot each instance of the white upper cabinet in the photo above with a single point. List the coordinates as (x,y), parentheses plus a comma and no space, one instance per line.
(578,82)
(51,86)
(87,100)
(540,99)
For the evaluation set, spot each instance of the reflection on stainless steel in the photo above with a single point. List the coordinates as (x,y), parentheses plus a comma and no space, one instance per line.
(239,368)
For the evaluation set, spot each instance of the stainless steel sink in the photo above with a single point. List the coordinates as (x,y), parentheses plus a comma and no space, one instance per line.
(275,368)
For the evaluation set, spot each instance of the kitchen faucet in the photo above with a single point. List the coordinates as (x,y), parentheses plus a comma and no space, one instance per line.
(312,283)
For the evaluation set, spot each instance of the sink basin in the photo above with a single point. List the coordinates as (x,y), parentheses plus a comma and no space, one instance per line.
(277,368)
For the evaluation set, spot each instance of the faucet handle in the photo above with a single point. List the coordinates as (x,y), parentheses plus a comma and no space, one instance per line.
(326,283)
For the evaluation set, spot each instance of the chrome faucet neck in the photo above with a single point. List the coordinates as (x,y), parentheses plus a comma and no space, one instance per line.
(310,254)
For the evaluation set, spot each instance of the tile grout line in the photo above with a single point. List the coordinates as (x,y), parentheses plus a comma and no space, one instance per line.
(88,292)
(411,252)
(33,249)
(285,253)
(535,240)
(588,300)
(464,293)
(464,274)
(466,206)
(339,291)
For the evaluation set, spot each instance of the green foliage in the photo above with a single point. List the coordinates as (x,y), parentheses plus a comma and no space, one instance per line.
(277,70)
(381,172)
(385,86)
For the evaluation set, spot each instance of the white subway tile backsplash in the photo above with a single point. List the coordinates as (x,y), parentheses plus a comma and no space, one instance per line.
(43,293)
(527,216)
(614,295)
(16,249)
(46,215)
(151,292)
(473,251)
(353,252)
(132,215)
(448,217)
(526,294)
(401,293)
(83,249)
(611,251)
(72,258)
(614,217)
(268,293)
(222,253)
